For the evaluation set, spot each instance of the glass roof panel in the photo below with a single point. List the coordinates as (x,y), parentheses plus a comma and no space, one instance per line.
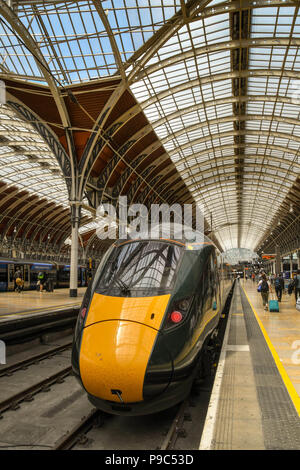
(73,38)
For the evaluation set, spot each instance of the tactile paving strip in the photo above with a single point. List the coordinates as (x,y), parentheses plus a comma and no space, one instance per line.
(280,420)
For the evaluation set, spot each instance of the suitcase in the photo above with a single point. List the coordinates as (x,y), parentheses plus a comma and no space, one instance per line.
(273,306)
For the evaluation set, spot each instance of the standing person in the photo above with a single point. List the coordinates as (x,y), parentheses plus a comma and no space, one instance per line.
(18,280)
(265,288)
(279,286)
(42,280)
(297,284)
(253,277)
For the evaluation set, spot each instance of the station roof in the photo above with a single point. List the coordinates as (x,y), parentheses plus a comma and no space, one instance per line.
(212,86)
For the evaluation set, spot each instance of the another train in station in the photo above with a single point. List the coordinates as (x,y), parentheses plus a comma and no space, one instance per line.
(145,322)
(58,273)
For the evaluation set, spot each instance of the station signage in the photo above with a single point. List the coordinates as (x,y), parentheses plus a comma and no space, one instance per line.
(271,256)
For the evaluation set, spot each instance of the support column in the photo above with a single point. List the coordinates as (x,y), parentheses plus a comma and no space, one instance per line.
(298,256)
(75,220)
(291,264)
(278,265)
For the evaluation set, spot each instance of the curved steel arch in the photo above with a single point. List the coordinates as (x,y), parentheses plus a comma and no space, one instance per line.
(232,118)
(32,46)
(217,47)
(49,138)
(221,135)
(222,101)
(215,78)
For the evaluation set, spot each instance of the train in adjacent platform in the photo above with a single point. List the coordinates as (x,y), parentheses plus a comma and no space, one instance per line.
(145,322)
(59,274)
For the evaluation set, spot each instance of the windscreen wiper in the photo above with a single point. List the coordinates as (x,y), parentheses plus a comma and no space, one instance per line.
(124,287)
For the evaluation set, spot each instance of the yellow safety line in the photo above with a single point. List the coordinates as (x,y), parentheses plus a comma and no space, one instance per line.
(41,309)
(287,381)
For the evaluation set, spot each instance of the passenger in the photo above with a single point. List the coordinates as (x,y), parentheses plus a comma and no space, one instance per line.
(297,285)
(41,280)
(18,280)
(264,286)
(279,286)
(253,277)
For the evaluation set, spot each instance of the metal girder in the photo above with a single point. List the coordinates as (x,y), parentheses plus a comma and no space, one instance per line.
(58,223)
(218,47)
(230,157)
(140,58)
(40,219)
(276,239)
(111,38)
(19,212)
(6,198)
(46,214)
(15,153)
(222,101)
(33,47)
(246,117)
(154,179)
(98,139)
(221,135)
(229,166)
(220,179)
(49,138)
(215,78)
(227,182)
(19,134)
(108,170)
(216,160)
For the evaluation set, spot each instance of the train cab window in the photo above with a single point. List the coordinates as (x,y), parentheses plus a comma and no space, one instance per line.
(143,268)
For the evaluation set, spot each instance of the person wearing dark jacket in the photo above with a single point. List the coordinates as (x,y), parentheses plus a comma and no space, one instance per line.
(297,284)
(279,286)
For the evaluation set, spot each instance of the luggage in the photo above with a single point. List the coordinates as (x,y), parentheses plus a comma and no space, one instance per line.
(273,305)
(298,304)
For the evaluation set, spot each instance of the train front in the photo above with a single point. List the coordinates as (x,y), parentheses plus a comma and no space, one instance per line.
(120,353)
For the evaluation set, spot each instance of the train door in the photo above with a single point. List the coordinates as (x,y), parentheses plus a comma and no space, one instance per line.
(3,277)
(10,277)
(26,276)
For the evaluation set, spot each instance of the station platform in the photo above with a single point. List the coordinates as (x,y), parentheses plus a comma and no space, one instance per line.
(13,304)
(255,402)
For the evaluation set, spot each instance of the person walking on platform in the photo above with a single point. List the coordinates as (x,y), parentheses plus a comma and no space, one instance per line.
(264,287)
(41,280)
(279,286)
(297,285)
(18,280)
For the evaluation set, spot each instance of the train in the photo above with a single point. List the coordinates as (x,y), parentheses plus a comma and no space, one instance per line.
(59,274)
(145,321)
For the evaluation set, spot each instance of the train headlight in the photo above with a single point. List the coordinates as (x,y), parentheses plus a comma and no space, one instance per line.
(176,317)
(177,312)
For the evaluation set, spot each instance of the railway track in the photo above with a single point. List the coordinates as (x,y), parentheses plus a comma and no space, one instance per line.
(13,402)
(9,370)
(189,412)
(96,429)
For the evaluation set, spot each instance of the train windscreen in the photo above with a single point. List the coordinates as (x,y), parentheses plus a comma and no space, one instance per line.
(142,268)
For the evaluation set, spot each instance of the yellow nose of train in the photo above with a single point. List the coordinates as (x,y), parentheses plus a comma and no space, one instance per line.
(117,342)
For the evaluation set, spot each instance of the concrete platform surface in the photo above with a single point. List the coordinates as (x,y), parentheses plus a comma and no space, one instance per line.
(281,330)
(27,302)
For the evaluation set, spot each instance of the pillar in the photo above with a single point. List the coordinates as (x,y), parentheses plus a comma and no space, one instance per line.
(291,264)
(278,264)
(298,256)
(75,220)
